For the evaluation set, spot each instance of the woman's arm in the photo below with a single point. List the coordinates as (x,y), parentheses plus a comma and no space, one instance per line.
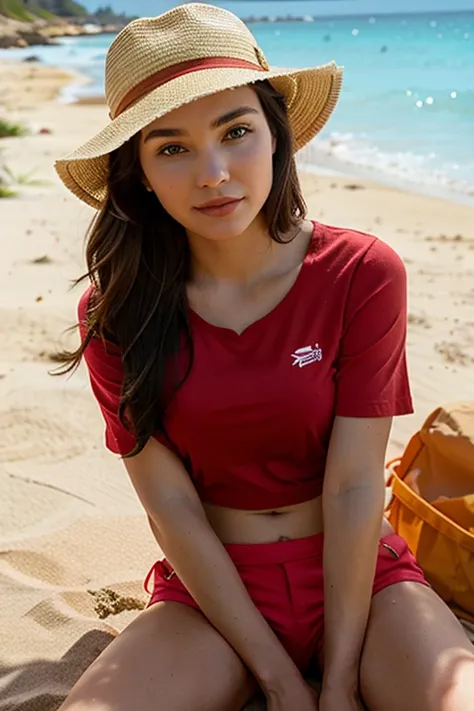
(371,387)
(183,532)
(353,503)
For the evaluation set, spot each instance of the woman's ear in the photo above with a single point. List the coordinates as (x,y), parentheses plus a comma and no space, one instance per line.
(274,144)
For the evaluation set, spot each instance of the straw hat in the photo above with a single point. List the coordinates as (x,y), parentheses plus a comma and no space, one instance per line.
(157,64)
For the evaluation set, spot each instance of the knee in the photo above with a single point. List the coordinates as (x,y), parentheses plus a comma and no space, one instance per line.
(448,686)
(455,691)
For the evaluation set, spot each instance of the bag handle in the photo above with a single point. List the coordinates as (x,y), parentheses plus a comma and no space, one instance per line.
(431,418)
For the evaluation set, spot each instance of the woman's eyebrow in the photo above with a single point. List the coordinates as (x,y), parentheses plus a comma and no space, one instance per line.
(232,115)
(221,121)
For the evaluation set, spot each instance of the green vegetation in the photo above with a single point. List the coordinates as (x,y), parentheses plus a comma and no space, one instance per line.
(6,192)
(7,129)
(61,8)
(23,178)
(16,9)
(28,10)
(35,8)
(9,181)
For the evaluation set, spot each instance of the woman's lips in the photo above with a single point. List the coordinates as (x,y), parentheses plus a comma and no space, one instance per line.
(220,210)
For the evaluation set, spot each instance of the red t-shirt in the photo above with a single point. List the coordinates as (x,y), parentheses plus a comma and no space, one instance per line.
(253,420)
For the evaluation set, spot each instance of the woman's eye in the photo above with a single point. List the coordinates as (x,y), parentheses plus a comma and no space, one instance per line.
(237,132)
(171,150)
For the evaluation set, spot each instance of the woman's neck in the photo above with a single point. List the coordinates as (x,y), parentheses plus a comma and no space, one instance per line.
(240,260)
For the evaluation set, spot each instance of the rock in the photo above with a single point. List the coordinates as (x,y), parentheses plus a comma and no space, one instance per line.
(32,58)
(65,29)
(32,36)
(25,38)
(44,259)
(15,33)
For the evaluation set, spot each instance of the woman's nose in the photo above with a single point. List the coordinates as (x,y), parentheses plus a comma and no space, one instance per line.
(212,170)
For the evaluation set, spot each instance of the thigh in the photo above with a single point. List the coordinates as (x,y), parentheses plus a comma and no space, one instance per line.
(171,658)
(416,654)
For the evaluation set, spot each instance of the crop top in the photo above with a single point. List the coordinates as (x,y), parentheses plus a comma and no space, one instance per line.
(252,421)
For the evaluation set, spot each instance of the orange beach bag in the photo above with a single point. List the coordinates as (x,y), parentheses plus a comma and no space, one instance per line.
(432,503)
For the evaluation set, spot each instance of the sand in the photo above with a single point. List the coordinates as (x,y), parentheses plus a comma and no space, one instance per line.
(74,541)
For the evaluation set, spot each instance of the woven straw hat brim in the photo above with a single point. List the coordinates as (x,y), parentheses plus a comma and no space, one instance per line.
(311,96)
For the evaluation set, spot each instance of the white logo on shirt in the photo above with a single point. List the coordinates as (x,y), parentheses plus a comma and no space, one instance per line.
(307,355)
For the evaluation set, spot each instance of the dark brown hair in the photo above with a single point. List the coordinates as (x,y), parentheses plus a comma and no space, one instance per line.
(138,259)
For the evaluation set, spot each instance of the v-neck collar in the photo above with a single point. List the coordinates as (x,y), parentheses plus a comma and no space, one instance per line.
(287,299)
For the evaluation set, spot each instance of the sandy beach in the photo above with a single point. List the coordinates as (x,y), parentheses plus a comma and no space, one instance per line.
(74,541)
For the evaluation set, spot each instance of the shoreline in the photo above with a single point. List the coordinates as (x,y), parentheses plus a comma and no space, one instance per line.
(64,83)
(26,85)
(394,158)
(329,165)
(321,164)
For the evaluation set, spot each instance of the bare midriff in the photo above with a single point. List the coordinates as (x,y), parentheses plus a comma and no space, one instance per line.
(268,526)
(272,525)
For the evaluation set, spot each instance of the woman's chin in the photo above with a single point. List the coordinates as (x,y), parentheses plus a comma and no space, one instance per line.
(222,228)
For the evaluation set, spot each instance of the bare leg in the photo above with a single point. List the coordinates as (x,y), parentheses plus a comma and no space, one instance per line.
(416,655)
(169,659)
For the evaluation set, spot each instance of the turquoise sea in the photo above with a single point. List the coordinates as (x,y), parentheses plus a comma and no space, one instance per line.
(407,109)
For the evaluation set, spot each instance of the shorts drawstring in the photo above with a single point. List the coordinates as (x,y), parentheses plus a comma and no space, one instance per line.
(161,569)
(391,549)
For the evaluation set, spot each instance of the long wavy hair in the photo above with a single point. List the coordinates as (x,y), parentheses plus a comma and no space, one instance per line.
(138,260)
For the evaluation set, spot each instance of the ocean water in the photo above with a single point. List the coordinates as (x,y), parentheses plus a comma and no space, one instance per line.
(406,113)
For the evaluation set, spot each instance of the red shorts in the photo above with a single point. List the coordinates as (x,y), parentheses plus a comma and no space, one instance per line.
(285,581)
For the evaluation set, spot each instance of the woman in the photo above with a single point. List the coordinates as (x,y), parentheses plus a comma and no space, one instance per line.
(248,363)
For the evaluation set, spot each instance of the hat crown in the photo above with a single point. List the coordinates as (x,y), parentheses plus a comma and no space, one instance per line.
(188,32)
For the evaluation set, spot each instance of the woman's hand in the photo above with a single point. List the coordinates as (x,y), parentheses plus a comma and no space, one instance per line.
(297,695)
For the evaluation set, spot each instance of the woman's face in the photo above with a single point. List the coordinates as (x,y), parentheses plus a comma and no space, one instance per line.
(217,149)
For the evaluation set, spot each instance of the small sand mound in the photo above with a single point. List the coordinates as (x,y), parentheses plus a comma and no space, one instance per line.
(108,602)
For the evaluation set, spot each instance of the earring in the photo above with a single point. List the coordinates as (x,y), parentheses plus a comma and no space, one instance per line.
(147,186)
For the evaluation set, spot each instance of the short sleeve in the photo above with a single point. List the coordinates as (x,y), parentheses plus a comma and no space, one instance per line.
(104,365)
(371,377)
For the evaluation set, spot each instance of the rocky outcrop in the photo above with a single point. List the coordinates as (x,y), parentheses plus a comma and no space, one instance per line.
(40,32)
(14,33)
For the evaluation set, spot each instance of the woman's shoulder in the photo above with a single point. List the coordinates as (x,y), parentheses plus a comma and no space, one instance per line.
(105,347)
(345,249)
(83,304)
